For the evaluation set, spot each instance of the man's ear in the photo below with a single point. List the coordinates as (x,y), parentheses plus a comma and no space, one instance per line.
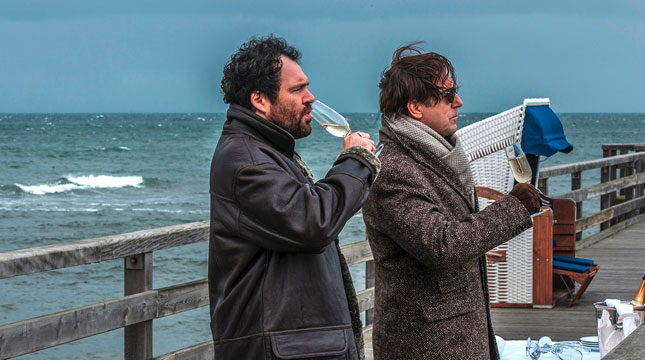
(261,103)
(415,109)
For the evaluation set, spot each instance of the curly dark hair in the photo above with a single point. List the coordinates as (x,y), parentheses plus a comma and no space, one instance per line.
(413,75)
(255,66)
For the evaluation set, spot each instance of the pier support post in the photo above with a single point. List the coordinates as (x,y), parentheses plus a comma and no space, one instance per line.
(543,185)
(629,192)
(638,191)
(138,278)
(576,184)
(369,282)
(607,200)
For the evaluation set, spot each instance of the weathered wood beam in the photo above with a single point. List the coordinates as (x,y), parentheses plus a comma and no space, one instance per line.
(39,333)
(137,276)
(365,299)
(370,282)
(357,253)
(602,189)
(588,165)
(608,214)
(599,236)
(630,146)
(204,350)
(43,258)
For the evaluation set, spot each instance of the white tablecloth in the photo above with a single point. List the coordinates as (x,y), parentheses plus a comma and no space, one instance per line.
(516,350)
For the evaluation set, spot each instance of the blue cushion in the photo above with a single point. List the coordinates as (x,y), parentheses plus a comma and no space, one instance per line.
(570,267)
(573,260)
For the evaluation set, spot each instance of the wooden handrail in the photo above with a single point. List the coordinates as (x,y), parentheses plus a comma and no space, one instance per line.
(42,332)
(44,258)
(609,213)
(602,189)
(588,165)
(51,257)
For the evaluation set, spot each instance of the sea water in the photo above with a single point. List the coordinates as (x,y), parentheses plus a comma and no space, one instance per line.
(69,177)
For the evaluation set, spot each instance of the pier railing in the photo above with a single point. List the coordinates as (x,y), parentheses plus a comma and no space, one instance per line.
(622,176)
(140,305)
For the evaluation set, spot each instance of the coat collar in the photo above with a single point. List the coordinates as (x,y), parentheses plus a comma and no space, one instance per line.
(261,128)
(429,161)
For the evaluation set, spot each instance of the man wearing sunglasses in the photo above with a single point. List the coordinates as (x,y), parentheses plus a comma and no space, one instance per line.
(428,238)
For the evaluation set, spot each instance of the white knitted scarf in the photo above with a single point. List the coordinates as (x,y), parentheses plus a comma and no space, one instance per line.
(425,140)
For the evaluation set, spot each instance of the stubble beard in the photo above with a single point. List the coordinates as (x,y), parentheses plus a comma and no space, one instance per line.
(290,120)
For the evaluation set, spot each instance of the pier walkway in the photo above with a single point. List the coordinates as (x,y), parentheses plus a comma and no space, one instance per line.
(622,264)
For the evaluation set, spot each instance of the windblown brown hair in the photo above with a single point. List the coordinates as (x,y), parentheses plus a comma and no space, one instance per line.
(413,75)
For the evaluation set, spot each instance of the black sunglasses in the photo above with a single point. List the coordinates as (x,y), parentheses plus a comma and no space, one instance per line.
(449,94)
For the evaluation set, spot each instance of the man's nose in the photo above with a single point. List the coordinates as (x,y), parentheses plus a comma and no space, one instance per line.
(309,97)
(457,103)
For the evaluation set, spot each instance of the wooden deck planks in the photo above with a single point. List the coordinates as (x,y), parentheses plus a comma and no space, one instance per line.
(622,264)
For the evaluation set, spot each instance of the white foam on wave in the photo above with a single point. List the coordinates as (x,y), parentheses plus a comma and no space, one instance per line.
(84,182)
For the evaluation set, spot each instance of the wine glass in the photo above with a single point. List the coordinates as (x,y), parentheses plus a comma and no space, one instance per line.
(328,118)
(519,165)
(521,169)
(333,122)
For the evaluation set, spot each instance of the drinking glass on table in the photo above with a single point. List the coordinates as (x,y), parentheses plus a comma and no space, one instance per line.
(565,350)
(521,169)
(333,122)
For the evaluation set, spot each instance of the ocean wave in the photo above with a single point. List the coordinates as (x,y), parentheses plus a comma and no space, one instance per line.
(70,183)
(113,148)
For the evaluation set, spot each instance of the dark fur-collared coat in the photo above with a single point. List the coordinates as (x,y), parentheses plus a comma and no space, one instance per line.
(429,244)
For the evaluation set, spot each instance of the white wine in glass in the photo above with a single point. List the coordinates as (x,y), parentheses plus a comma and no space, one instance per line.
(522,170)
(519,165)
(337,130)
(333,122)
(328,118)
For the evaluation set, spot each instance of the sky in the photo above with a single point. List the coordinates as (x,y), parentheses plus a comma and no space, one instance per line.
(167,56)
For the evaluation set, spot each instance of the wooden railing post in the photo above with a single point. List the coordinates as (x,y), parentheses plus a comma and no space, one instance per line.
(138,278)
(629,191)
(543,185)
(638,190)
(607,200)
(369,282)
(576,184)
(623,170)
(612,176)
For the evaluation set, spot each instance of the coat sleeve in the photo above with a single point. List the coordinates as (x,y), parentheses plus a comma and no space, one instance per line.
(406,213)
(279,212)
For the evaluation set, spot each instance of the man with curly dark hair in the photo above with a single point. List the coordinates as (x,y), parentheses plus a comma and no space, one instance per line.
(279,286)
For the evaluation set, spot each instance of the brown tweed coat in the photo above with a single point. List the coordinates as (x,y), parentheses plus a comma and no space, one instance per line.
(429,243)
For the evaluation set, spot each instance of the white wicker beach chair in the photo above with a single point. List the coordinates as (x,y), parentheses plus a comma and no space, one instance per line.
(509,281)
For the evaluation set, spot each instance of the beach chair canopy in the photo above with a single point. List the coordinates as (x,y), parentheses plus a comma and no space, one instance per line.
(543,134)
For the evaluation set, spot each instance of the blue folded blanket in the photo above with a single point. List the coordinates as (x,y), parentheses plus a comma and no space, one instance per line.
(573,260)
(570,266)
